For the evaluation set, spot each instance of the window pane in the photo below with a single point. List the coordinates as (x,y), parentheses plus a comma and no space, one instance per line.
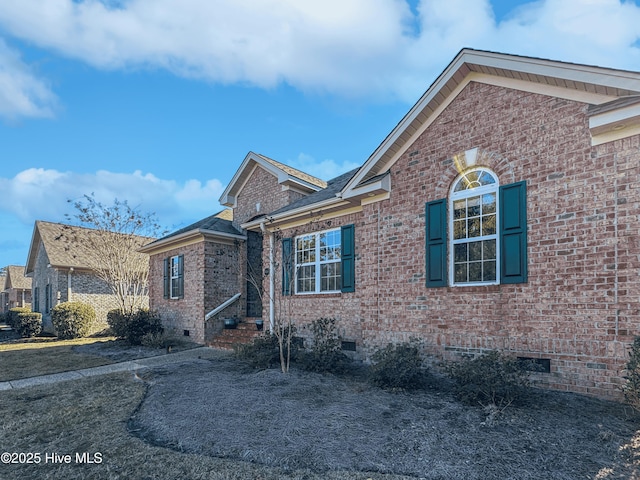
(489,225)
(475,272)
(473,207)
(460,252)
(459,209)
(486,178)
(475,251)
(489,203)
(489,273)
(473,228)
(489,247)
(459,229)
(460,273)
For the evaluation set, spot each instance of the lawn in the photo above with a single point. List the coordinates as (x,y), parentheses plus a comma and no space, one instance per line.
(218,419)
(29,357)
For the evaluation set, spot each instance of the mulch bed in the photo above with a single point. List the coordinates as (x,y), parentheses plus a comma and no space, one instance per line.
(321,423)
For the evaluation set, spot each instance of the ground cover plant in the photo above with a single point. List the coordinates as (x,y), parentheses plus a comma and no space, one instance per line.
(220,419)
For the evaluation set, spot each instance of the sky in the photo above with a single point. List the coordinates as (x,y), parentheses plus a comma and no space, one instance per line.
(157,102)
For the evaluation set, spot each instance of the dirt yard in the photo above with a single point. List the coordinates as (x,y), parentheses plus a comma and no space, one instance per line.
(323,423)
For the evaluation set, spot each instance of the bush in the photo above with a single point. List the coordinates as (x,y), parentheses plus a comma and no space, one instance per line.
(157,340)
(326,353)
(490,379)
(27,323)
(132,327)
(72,319)
(262,352)
(117,322)
(631,388)
(398,367)
(12,316)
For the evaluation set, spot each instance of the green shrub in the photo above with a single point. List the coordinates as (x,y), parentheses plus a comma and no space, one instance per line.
(27,323)
(398,366)
(631,388)
(132,327)
(72,319)
(117,322)
(326,352)
(12,316)
(490,379)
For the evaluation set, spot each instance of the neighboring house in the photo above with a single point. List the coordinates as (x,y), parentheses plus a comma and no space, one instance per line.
(59,264)
(17,289)
(502,212)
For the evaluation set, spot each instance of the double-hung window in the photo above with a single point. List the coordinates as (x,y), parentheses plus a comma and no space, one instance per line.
(320,262)
(174,277)
(473,225)
(477,236)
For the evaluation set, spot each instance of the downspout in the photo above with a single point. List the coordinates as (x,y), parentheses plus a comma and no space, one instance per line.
(272,287)
(69,284)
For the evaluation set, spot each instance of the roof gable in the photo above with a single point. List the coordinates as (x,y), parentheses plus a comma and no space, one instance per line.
(588,84)
(16,279)
(287,176)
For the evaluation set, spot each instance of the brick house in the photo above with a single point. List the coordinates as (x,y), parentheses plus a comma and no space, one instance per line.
(500,213)
(59,264)
(209,271)
(16,290)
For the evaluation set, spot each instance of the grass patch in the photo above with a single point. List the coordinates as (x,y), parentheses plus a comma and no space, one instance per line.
(30,357)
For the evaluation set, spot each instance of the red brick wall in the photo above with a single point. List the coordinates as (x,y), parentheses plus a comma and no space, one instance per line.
(581,300)
(211,276)
(262,187)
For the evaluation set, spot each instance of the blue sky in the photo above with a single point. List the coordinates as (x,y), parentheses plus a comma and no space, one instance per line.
(157,102)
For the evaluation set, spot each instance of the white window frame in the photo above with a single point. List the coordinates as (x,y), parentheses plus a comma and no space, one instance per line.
(317,263)
(493,188)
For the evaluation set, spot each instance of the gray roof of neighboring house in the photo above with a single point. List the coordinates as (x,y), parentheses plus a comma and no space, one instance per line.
(16,279)
(65,245)
(334,186)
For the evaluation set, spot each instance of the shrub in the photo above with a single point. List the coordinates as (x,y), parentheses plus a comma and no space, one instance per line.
(490,379)
(12,316)
(631,388)
(157,340)
(132,327)
(326,353)
(262,352)
(72,319)
(398,366)
(117,323)
(27,323)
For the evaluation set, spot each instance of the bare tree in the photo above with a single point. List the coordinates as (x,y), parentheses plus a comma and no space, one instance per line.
(111,247)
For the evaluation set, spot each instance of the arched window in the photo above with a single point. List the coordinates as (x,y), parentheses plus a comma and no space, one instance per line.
(473,225)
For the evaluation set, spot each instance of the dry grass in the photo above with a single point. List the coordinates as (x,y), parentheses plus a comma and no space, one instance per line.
(215,419)
(30,357)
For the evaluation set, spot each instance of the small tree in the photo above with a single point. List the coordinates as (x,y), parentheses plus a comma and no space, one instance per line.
(631,388)
(113,251)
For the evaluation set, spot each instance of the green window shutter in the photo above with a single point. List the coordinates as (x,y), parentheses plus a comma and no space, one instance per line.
(166,278)
(180,276)
(436,243)
(347,246)
(513,233)
(287,265)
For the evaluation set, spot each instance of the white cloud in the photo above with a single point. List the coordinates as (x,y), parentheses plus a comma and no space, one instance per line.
(368,48)
(324,169)
(22,94)
(39,194)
